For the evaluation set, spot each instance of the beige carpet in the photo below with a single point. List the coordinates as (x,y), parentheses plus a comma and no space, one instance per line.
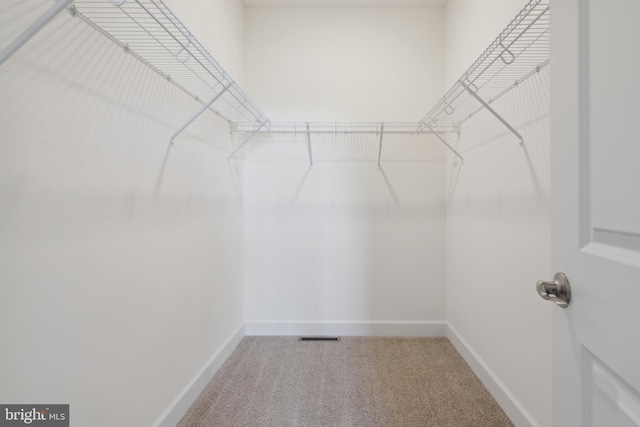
(357,381)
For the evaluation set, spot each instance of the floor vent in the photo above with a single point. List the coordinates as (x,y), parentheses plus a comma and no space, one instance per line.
(319,339)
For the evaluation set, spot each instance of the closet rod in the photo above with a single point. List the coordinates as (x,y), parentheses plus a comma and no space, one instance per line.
(349,132)
(33,29)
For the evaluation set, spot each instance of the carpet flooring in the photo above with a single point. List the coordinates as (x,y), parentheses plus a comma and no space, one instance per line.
(357,381)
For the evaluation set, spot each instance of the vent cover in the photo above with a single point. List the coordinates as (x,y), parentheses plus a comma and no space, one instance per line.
(319,339)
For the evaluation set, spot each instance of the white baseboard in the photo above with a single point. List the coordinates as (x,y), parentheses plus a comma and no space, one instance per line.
(395,329)
(507,401)
(172,415)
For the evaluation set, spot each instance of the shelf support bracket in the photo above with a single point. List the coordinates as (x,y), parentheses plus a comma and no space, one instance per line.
(204,108)
(494,112)
(247,139)
(309,146)
(33,29)
(437,135)
(380,146)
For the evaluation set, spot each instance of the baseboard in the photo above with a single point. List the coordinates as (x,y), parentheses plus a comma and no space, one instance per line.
(396,329)
(183,401)
(507,401)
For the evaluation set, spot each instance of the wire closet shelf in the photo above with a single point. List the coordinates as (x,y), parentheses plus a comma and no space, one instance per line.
(150,31)
(379,129)
(520,51)
(372,128)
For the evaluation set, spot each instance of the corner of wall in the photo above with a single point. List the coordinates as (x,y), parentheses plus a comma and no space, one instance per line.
(179,406)
(516,412)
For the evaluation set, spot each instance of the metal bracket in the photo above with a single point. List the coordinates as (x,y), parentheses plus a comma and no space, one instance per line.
(494,112)
(204,108)
(380,147)
(309,145)
(33,29)
(444,142)
(183,54)
(247,139)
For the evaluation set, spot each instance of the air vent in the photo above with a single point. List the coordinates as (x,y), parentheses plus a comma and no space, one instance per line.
(319,339)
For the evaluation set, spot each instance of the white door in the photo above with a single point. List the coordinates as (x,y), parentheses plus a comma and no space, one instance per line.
(595,138)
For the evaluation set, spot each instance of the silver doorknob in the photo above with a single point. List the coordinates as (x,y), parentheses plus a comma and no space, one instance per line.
(558,291)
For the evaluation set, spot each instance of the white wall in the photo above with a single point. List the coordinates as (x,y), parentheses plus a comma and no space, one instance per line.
(498,235)
(344,64)
(120,259)
(344,242)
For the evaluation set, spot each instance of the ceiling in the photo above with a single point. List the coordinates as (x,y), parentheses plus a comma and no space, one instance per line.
(345,3)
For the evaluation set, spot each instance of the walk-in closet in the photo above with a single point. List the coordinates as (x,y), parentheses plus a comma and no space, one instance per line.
(347,206)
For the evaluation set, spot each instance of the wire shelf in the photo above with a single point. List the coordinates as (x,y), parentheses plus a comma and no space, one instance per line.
(151,32)
(336,128)
(520,51)
(379,129)
(148,30)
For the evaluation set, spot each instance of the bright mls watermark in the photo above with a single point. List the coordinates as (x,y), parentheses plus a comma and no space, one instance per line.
(34,415)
